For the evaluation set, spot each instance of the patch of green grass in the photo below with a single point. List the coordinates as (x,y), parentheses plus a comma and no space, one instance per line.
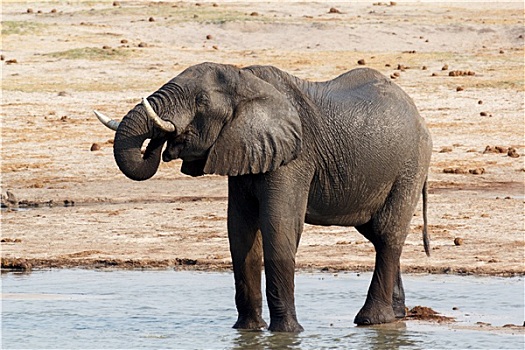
(91,53)
(212,16)
(22,27)
(166,13)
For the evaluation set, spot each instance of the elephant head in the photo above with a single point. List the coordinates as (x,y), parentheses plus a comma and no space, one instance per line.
(218,119)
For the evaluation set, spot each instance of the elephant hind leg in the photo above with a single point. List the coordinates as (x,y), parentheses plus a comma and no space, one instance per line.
(387,231)
(385,299)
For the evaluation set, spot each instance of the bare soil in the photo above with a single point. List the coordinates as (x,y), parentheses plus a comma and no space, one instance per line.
(61,60)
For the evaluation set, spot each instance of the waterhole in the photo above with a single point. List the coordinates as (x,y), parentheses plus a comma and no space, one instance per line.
(87,309)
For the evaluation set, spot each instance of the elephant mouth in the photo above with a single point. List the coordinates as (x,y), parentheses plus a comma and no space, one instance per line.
(172,152)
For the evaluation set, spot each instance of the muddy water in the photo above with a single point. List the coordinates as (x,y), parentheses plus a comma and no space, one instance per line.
(84,309)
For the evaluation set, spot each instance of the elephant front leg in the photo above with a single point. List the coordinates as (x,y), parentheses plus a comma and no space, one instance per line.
(279,263)
(246,252)
(280,295)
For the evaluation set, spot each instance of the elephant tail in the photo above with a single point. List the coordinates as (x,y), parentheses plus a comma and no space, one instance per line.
(426,239)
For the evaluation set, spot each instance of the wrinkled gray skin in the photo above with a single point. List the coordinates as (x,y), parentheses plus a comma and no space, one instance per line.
(352,151)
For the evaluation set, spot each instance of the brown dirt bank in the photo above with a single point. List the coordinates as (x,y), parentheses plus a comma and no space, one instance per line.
(61,60)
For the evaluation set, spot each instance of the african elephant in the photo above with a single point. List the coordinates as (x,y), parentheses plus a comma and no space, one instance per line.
(352,151)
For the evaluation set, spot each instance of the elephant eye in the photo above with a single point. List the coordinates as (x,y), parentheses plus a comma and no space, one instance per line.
(202,99)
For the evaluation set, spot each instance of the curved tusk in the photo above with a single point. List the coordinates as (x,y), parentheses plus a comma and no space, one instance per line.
(161,123)
(110,123)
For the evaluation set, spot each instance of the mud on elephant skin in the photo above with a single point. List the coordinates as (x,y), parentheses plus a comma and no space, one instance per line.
(352,151)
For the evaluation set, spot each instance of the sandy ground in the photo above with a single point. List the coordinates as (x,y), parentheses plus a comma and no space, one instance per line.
(61,60)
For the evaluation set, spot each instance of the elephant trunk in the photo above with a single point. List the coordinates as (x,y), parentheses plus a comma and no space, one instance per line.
(132,131)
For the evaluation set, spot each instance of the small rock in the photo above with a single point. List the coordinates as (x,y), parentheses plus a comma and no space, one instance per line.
(333,10)
(95,147)
(445,67)
(460,73)
(489,149)
(54,11)
(254,14)
(116,3)
(2,57)
(460,88)
(477,171)
(215,47)
(445,149)
(209,37)
(361,62)
(460,170)
(11,61)
(424,68)
(501,149)
(483,114)
(62,94)
(480,102)
(124,41)
(513,153)
(151,19)
(501,51)
(11,240)
(29,10)
(458,241)
(143,44)
(106,47)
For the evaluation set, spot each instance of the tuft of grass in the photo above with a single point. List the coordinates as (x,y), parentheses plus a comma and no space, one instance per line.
(181,13)
(90,53)
(22,27)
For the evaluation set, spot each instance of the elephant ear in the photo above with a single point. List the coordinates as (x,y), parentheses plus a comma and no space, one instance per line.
(264,133)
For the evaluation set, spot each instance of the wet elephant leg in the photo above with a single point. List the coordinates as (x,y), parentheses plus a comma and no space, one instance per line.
(387,230)
(378,307)
(282,216)
(279,264)
(246,251)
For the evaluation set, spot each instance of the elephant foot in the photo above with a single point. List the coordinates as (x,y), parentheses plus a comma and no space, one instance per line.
(250,323)
(287,324)
(375,314)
